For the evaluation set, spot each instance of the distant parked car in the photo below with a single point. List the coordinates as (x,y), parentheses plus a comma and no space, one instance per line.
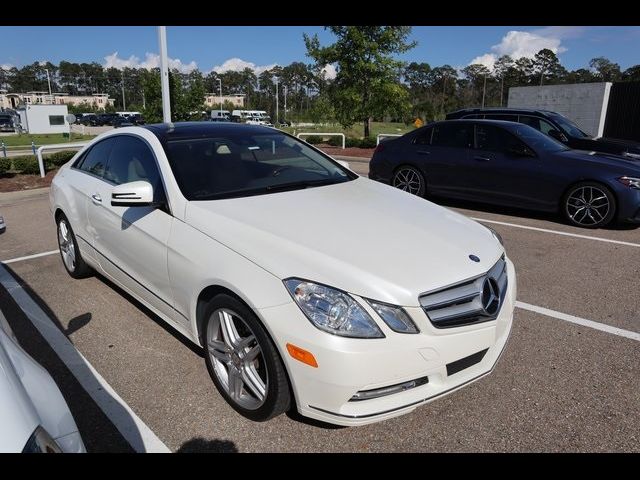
(33,413)
(6,123)
(122,122)
(78,118)
(137,119)
(511,164)
(89,120)
(554,125)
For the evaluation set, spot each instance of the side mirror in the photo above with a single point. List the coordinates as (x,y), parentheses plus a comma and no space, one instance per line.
(344,164)
(132,194)
(561,137)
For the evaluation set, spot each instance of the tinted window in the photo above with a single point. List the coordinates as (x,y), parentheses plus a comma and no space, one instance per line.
(537,140)
(537,123)
(424,137)
(495,139)
(131,160)
(452,135)
(568,126)
(56,120)
(96,160)
(241,164)
(498,116)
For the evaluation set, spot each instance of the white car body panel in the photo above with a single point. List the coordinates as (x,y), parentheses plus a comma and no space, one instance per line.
(363,237)
(30,398)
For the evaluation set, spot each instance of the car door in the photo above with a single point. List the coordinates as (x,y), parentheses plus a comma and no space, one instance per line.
(502,173)
(85,178)
(132,241)
(445,156)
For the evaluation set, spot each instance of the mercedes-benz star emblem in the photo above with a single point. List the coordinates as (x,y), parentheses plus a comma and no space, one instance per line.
(490,296)
(474,258)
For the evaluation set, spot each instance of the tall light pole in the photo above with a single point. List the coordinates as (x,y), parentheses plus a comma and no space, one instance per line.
(220,86)
(484,89)
(48,79)
(124,104)
(277,117)
(164,75)
(285,103)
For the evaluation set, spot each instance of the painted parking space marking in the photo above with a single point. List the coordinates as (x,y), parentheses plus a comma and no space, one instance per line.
(133,429)
(29,257)
(603,327)
(557,232)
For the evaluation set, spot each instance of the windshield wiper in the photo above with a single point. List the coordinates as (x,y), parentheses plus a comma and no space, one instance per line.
(300,184)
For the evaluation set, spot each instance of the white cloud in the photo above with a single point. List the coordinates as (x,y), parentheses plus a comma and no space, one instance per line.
(329,71)
(519,44)
(151,60)
(237,65)
(6,66)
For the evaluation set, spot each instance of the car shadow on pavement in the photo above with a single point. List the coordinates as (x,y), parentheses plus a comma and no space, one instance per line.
(161,323)
(520,212)
(98,432)
(201,445)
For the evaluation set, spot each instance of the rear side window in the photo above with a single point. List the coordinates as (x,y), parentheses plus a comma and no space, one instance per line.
(95,161)
(452,135)
(424,137)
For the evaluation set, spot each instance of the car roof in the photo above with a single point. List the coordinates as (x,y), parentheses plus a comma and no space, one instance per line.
(502,123)
(168,131)
(502,110)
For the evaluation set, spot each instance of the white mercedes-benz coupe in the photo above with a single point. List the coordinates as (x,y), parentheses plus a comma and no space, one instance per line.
(307,285)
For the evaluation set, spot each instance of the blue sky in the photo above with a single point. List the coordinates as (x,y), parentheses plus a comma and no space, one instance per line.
(210,47)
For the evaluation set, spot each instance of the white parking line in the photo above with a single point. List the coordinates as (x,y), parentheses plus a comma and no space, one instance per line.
(29,257)
(603,327)
(557,232)
(133,429)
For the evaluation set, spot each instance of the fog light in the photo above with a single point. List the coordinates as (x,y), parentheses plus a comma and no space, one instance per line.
(390,390)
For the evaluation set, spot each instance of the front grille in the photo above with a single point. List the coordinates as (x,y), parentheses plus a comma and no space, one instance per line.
(471,301)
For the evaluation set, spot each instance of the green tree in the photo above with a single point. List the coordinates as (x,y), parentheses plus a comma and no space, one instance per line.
(501,71)
(605,69)
(477,74)
(632,74)
(367,83)
(547,66)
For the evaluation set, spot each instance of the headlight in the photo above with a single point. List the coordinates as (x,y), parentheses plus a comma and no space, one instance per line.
(631,182)
(395,317)
(496,234)
(332,310)
(41,442)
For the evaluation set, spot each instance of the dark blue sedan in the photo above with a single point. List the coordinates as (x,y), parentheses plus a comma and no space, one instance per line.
(511,164)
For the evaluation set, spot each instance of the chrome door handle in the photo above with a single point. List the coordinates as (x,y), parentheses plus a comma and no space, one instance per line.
(423,152)
(482,159)
(96,198)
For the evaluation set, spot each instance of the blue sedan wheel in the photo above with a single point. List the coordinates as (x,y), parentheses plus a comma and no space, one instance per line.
(589,205)
(410,180)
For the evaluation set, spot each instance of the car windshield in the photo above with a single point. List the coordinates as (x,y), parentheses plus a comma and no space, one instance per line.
(568,126)
(240,165)
(538,140)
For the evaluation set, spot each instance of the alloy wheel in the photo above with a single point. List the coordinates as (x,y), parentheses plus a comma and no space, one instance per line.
(409,180)
(67,246)
(588,205)
(237,359)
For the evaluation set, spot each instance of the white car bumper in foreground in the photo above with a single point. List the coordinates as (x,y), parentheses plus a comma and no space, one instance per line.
(447,359)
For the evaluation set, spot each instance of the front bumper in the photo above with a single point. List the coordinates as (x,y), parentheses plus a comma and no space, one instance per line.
(347,366)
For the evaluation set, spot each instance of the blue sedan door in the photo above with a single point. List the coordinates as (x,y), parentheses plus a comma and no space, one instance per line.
(507,171)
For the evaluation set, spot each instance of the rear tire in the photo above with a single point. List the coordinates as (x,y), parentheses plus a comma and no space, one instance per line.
(72,260)
(243,362)
(589,205)
(409,179)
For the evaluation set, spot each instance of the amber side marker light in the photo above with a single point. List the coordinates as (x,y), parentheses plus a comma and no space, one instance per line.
(302,355)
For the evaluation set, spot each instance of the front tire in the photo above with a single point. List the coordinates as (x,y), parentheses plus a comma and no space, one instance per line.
(243,361)
(589,205)
(409,179)
(72,260)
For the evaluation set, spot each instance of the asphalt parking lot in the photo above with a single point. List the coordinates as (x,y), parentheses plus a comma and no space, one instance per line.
(560,386)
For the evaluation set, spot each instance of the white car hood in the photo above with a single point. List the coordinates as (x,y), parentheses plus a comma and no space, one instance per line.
(360,236)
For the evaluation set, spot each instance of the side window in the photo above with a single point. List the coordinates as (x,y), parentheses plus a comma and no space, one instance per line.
(95,160)
(457,135)
(545,127)
(537,123)
(131,160)
(497,116)
(494,139)
(424,137)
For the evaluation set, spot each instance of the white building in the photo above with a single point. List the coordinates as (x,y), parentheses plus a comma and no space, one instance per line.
(44,118)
